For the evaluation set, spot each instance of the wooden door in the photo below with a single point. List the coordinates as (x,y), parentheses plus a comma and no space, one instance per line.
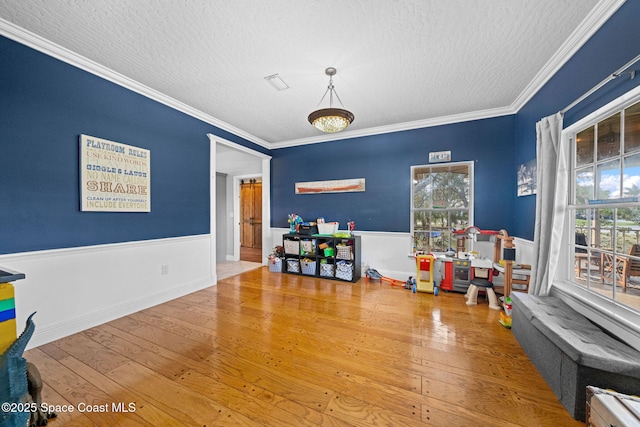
(251,214)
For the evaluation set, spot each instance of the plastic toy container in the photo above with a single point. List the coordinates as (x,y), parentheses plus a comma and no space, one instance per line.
(328,228)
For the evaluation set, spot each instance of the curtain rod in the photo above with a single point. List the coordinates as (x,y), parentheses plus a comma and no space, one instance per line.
(613,76)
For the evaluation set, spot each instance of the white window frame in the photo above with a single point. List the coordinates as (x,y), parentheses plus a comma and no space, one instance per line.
(621,320)
(470,207)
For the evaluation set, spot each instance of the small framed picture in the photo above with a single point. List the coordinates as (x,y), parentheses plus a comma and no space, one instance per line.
(527,181)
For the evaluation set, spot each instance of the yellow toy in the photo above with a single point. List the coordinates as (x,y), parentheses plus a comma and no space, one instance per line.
(424,273)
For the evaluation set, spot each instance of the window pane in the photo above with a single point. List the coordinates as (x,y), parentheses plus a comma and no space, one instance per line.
(584,186)
(582,231)
(422,186)
(584,147)
(632,128)
(441,190)
(432,229)
(421,231)
(587,260)
(628,228)
(441,235)
(459,219)
(608,180)
(621,266)
(609,137)
(631,176)
(459,187)
(603,228)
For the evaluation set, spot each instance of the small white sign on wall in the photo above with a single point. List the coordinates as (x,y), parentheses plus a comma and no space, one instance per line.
(439,156)
(114,177)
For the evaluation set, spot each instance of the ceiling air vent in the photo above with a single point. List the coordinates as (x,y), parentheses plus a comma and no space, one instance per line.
(275,81)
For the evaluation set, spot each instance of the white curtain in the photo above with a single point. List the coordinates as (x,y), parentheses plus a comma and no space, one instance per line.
(551,202)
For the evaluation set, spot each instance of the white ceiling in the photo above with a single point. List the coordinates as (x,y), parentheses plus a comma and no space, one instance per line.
(401,64)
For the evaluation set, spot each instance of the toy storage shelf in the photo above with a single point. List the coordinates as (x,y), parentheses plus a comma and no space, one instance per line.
(324,256)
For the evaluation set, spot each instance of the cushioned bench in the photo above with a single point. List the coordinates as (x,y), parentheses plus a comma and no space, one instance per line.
(571,353)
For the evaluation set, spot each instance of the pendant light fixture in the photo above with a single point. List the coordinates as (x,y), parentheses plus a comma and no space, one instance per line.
(331,119)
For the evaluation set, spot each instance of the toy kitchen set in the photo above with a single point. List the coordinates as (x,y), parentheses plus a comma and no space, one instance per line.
(480,254)
(457,270)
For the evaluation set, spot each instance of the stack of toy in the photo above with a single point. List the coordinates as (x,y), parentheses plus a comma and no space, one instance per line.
(8,329)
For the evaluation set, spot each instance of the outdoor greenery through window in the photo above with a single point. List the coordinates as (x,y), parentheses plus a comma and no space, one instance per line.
(606,190)
(441,197)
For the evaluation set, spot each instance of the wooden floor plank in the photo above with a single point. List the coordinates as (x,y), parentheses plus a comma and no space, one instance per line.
(121,398)
(184,404)
(233,371)
(82,397)
(265,348)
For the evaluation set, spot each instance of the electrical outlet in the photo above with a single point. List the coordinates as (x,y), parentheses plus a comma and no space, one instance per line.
(165,269)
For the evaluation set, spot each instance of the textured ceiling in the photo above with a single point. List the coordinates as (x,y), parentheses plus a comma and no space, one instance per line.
(401,63)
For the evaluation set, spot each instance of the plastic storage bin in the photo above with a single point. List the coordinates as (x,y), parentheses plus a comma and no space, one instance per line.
(344,270)
(344,252)
(328,228)
(308,229)
(326,270)
(308,267)
(293,266)
(292,247)
(275,265)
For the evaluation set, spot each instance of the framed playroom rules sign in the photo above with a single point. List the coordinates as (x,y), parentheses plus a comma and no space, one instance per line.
(114,177)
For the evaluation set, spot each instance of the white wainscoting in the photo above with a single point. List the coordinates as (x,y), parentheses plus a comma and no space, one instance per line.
(385,251)
(524,251)
(388,252)
(75,289)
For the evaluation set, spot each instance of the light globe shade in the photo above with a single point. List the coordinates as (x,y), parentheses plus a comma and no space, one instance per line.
(331,119)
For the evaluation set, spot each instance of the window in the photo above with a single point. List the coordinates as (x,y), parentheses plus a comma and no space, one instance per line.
(441,200)
(604,205)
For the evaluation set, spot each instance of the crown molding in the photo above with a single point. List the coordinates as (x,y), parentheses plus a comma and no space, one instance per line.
(399,127)
(54,50)
(596,18)
(587,28)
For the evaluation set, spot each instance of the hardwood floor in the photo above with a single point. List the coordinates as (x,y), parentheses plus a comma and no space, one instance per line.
(275,349)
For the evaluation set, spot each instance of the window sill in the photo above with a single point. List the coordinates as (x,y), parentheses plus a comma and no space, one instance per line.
(613,317)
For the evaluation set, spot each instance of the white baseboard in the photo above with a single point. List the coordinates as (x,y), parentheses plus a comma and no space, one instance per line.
(78,288)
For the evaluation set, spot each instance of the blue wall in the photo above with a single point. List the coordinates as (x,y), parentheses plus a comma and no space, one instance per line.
(497,145)
(615,44)
(385,161)
(45,105)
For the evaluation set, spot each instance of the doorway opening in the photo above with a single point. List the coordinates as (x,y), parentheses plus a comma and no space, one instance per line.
(232,164)
(251,220)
